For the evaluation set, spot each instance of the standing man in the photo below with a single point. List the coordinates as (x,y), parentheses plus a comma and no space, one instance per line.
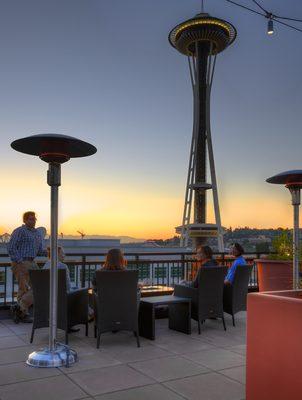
(25,245)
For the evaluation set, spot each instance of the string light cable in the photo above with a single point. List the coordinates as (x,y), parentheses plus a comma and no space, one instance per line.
(271,17)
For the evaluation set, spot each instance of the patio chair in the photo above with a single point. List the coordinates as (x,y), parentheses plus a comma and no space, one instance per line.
(235,294)
(72,306)
(116,303)
(207,299)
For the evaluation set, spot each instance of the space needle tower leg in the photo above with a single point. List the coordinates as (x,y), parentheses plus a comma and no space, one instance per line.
(211,70)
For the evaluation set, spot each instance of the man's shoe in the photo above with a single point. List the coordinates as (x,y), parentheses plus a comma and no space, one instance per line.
(16,313)
(73,330)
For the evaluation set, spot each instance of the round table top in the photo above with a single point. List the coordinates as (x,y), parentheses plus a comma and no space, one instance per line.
(53,147)
(287,178)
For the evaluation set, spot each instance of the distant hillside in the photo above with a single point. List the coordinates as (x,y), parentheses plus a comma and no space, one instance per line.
(123,239)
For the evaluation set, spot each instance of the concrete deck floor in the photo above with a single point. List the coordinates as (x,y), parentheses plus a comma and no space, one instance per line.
(174,366)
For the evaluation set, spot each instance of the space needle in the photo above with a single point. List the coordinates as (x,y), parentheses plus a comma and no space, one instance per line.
(201,38)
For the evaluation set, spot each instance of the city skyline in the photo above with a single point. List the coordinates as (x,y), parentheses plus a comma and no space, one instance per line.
(67,68)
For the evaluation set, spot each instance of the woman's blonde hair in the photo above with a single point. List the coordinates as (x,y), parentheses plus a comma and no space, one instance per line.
(115,260)
(48,250)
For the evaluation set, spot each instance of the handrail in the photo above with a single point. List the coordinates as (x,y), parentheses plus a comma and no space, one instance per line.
(148,261)
(143,254)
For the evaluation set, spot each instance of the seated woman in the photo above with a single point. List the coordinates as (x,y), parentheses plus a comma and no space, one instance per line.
(237,251)
(204,258)
(204,255)
(61,265)
(115,261)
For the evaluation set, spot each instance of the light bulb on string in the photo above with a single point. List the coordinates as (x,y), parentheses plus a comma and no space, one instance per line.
(270,26)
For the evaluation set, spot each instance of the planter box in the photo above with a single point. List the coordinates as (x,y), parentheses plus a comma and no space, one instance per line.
(274,346)
(274,275)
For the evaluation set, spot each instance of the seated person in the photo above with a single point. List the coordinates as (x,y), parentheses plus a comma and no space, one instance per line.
(204,257)
(115,261)
(61,265)
(237,251)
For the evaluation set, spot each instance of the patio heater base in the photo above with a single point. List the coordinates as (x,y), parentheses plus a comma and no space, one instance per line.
(61,356)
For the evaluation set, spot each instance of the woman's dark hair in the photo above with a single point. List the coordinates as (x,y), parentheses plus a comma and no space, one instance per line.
(115,260)
(239,248)
(207,251)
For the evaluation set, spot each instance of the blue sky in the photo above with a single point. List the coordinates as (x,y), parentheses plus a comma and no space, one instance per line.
(105,72)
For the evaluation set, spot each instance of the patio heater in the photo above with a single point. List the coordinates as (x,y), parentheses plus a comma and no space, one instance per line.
(292,181)
(55,150)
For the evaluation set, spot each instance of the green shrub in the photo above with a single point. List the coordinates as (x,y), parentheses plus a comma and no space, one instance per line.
(283,247)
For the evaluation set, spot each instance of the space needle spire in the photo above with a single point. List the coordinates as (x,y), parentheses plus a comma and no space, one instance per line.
(201,38)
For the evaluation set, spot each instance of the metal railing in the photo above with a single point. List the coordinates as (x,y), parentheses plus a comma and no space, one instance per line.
(164,268)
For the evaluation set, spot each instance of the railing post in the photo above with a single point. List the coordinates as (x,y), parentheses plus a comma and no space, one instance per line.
(151,273)
(136,258)
(5,286)
(185,267)
(83,270)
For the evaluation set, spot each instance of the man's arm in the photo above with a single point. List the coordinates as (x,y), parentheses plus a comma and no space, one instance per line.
(13,246)
(231,272)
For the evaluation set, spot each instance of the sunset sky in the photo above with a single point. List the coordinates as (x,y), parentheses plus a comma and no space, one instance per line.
(103,71)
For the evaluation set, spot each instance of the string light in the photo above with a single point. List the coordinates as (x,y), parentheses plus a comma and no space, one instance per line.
(270,26)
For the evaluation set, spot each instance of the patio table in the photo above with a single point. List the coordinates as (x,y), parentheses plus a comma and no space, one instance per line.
(157,290)
(179,314)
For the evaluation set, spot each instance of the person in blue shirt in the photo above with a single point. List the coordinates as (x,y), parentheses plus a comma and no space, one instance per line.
(26,243)
(237,251)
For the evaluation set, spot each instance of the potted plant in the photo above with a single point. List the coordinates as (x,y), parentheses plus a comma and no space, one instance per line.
(276,273)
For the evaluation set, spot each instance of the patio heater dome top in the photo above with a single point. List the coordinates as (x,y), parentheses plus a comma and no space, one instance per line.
(202,27)
(51,147)
(291,178)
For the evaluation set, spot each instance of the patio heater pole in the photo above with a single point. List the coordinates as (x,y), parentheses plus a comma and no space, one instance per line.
(54,181)
(55,150)
(292,181)
(295,192)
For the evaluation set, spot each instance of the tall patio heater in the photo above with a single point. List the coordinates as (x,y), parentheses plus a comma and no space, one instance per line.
(55,150)
(200,39)
(292,181)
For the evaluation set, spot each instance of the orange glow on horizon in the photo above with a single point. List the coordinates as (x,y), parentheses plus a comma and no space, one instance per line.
(125,210)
